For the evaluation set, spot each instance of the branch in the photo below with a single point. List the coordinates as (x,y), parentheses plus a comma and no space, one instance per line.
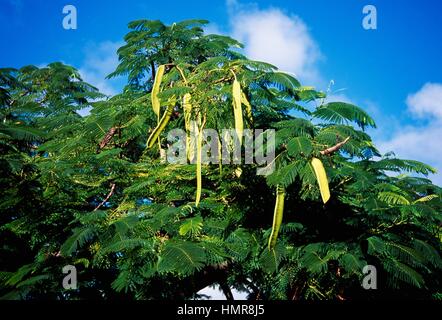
(226,290)
(298,289)
(107,138)
(335,148)
(182,74)
(255,290)
(111,192)
(152,70)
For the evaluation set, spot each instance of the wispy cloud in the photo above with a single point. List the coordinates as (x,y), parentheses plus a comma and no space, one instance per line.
(273,36)
(213,28)
(421,142)
(100,60)
(427,102)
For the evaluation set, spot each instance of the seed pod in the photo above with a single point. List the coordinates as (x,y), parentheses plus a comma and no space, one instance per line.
(237,110)
(220,157)
(277,216)
(198,167)
(160,127)
(321,177)
(190,127)
(156,89)
(187,107)
(249,114)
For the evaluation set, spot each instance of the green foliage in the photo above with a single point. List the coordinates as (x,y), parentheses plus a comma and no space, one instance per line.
(183,257)
(341,113)
(191,226)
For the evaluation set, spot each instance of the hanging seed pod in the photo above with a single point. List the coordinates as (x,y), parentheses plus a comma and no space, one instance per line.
(198,166)
(321,177)
(190,126)
(249,114)
(156,89)
(197,127)
(160,127)
(237,110)
(277,216)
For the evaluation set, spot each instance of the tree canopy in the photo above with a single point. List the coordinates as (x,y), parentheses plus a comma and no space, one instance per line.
(96,192)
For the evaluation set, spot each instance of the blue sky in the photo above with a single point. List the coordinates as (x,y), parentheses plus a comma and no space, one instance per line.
(395,71)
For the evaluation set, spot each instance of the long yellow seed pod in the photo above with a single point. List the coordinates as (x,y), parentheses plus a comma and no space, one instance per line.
(160,127)
(277,217)
(156,89)
(249,114)
(187,107)
(191,140)
(198,167)
(321,176)
(189,125)
(237,110)
(220,156)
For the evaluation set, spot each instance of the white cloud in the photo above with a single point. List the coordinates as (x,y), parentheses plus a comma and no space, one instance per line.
(272,36)
(420,142)
(213,28)
(427,101)
(100,60)
(416,142)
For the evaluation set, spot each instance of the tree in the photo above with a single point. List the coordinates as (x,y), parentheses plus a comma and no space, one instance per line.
(97,193)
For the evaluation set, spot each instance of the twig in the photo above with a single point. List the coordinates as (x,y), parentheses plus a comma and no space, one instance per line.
(152,67)
(107,138)
(111,192)
(182,74)
(335,148)
(226,290)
